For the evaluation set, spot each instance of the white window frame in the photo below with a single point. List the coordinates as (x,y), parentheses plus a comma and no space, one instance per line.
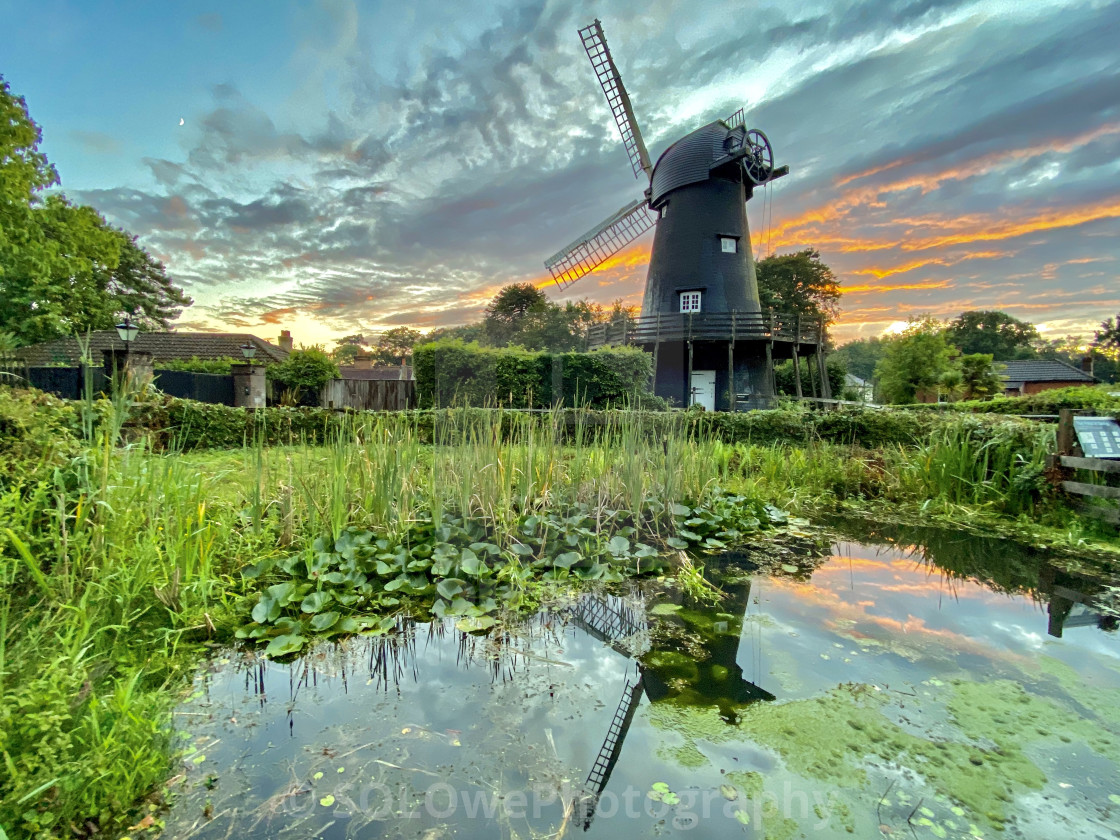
(690,302)
(724,241)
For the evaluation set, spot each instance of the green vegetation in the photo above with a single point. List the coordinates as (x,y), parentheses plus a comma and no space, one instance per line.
(64,270)
(453,373)
(303,374)
(122,551)
(196,365)
(1100,399)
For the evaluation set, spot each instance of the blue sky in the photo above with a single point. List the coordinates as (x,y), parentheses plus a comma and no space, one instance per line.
(347,167)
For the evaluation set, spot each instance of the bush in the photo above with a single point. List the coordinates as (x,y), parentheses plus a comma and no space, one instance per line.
(196,365)
(452,372)
(304,373)
(1096,398)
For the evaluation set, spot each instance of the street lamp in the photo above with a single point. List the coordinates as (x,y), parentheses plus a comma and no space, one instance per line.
(248,350)
(128,332)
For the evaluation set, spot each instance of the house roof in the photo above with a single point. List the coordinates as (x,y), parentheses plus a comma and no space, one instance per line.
(163,346)
(853,381)
(1043,370)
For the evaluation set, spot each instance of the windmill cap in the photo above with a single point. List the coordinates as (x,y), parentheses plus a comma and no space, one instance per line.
(690,159)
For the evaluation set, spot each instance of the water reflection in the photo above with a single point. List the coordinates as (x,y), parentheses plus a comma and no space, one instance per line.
(564,705)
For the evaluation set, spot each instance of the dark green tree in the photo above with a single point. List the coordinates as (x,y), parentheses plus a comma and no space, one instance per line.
(980,378)
(914,363)
(995,333)
(1107,337)
(63,268)
(395,345)
(347,349)
(799,284)
(304,373)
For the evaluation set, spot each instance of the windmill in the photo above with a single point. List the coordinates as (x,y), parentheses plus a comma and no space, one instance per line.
(712,343)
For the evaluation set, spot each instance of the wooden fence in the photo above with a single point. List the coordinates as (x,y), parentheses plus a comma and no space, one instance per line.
(369,394)
(1070,458)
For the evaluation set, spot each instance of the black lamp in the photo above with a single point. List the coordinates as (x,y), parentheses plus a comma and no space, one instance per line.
(248,350)
(128,332)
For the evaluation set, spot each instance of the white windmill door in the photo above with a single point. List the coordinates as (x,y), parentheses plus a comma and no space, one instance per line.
(704,389)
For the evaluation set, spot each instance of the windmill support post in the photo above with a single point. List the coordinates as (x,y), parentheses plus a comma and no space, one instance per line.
(732,401)
(826,388)
(796,359)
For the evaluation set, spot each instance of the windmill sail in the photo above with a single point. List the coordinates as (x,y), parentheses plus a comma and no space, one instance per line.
(599,244)
(596,45)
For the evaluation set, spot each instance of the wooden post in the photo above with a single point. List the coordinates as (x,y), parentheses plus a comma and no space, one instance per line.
(796,359)
(826,388)
(688,378)
(656,344)
(1065,431)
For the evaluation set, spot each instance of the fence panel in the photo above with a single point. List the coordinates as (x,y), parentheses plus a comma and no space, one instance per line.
(369,394)
(188,385)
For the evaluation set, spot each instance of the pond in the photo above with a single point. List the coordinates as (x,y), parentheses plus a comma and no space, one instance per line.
(887,684)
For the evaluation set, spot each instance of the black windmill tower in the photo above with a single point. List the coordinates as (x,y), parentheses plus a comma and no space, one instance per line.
(701,318)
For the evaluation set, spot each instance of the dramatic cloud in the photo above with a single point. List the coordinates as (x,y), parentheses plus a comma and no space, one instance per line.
(400,168)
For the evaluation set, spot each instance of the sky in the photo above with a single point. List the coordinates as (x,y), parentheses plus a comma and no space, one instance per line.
(340,167)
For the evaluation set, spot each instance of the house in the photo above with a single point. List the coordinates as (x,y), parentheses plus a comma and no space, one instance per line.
(1030,376)
(163,347)
(862,387)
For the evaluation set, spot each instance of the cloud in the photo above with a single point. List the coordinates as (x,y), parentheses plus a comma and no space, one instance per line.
(96,142)
(415,168)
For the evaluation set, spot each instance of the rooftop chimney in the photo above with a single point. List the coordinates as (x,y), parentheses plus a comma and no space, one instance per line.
(1087,364)
(286,340)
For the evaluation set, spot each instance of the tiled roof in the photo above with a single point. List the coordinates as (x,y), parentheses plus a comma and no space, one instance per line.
(162,345)
(1043,370)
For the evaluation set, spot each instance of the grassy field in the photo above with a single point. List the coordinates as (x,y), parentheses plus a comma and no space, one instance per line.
(119,564)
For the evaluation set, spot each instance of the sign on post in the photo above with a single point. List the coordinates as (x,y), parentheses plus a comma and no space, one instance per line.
(1099,436)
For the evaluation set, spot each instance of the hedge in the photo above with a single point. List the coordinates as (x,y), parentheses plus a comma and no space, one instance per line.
(27,418)
(453,372)
(1095,398)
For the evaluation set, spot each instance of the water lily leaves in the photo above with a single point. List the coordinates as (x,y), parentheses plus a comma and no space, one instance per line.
(789,567)
(327,801)
(470,564)
(742,816)
(680,510)
(315,602)
(324,621)
(521,549)
(677,543)
(473,623)
(450,587)
(567,559)
(282,645)
(729,792)
(266,610)
(1114,799)
(665,609)
(659,792)
(618,546)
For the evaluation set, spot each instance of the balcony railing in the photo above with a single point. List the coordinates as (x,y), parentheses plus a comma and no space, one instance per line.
(709,326)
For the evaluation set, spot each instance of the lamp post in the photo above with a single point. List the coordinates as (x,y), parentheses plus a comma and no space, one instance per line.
(249,351)
(128,332)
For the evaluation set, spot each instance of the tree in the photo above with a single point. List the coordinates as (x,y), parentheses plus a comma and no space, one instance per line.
(395,345)
(995,333)
(913,363)
(63,268)
(511,311)
(799,284)
(861,356)
(980,378)
(347,349)
(1107,337)
(304,373)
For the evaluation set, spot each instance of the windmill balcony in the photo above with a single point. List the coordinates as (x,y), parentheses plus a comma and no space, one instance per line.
(777,327)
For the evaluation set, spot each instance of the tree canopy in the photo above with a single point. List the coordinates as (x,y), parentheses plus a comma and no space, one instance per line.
(994,333)
(63,268)
(799,284)
(914,363)
(1107,336)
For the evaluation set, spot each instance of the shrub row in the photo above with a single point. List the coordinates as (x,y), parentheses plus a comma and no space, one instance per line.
(29,419)
(1095,398)
(453,372)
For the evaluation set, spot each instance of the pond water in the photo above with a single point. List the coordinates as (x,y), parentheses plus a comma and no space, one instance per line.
(895,684)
